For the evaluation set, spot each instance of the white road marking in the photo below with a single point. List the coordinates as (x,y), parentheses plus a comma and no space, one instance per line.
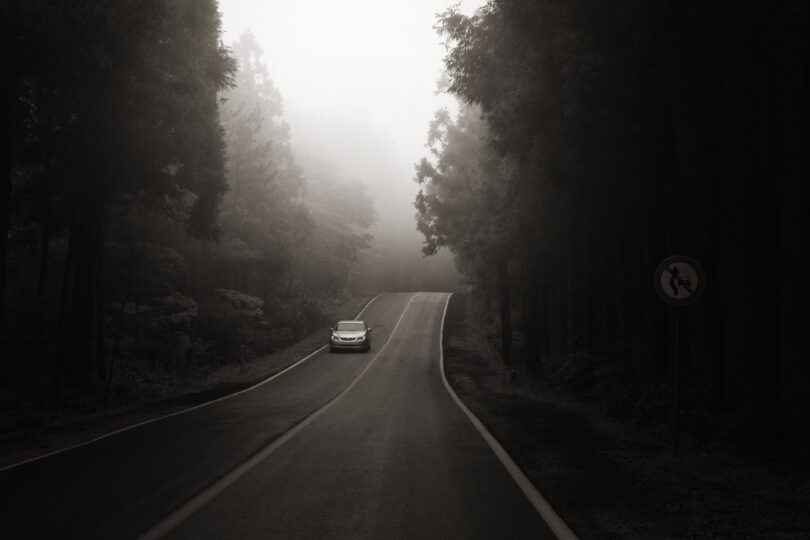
(552,519)
(198,501)
(184,411)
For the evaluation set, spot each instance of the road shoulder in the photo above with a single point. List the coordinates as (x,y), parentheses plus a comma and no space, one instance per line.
(231,378)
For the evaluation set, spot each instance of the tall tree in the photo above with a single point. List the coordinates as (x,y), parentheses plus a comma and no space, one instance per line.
(146,124)
(465,204)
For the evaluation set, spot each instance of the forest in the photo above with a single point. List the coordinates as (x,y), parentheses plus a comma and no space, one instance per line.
(154,221)
(593,140)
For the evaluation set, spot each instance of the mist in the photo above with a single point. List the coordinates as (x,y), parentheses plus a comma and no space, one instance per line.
(359,86)
(418,269)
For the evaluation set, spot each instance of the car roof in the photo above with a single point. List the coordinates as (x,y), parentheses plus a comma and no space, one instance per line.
(352,320)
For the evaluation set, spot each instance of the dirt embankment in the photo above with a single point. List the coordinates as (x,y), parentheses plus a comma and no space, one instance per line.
(608,478)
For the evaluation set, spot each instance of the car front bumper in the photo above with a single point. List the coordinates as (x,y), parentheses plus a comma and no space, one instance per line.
(348,345)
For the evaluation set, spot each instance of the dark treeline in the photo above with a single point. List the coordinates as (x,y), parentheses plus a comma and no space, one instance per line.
(594,140)
(154,222)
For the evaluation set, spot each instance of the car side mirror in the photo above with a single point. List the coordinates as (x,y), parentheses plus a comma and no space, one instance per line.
(331,329)
(368,330)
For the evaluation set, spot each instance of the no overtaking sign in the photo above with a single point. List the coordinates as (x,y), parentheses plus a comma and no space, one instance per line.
(679,280)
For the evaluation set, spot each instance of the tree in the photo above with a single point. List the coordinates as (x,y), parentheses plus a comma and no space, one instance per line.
(289,240)
(464,204)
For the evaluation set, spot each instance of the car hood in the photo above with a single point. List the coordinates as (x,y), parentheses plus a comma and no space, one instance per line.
(349,334)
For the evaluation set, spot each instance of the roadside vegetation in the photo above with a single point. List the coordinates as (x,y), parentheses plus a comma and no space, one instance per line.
(609,477)
(593,140)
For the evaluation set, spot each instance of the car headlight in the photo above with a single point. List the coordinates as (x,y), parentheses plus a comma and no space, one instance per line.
(334,337)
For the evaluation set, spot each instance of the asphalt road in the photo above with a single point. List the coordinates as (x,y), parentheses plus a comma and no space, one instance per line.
(342,446)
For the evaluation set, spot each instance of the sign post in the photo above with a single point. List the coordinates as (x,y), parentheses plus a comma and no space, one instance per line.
(679,281)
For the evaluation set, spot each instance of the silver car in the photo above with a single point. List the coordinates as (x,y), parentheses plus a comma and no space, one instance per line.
(350,335)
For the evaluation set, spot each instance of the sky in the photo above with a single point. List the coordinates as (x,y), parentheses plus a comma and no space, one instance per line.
(358,78)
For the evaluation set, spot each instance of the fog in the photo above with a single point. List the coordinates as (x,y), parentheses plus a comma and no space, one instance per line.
(358,80)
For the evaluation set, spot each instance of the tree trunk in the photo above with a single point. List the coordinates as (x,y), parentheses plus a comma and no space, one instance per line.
(488,298)
(81,352)
(531,313)
(765,345)
(80,302)
(44,256)
(505,309)
(5,201)
(98,294)
(543,313)
(45,221)
(563,298)
(9,92)
(589,290)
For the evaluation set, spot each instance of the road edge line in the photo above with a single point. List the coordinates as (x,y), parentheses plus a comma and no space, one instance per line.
(103,436)
(558,527)
(187,509)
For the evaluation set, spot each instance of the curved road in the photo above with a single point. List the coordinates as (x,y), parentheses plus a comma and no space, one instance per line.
(341,446)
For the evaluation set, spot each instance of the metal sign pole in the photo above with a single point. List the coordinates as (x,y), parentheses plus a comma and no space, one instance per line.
(679,281)
(676,378)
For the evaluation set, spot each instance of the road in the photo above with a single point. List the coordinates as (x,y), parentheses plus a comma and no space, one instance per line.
(341,446)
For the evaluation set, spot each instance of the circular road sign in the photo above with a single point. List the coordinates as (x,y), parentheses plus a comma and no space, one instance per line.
(679,280)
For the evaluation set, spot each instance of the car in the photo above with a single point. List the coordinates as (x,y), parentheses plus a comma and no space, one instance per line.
(350,336)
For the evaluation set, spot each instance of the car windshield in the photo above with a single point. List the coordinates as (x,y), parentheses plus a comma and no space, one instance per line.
(350,327)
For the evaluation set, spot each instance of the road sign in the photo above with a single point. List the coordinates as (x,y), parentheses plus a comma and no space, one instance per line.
(679,280)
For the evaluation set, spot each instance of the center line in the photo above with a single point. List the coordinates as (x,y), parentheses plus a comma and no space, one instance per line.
(183,512)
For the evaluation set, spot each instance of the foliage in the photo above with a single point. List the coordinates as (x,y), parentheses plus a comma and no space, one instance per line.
(289,240)
(464,203)
(160,224)
(235,324)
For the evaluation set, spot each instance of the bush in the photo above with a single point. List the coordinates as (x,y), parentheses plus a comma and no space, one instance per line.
(235,324)
(158,329)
